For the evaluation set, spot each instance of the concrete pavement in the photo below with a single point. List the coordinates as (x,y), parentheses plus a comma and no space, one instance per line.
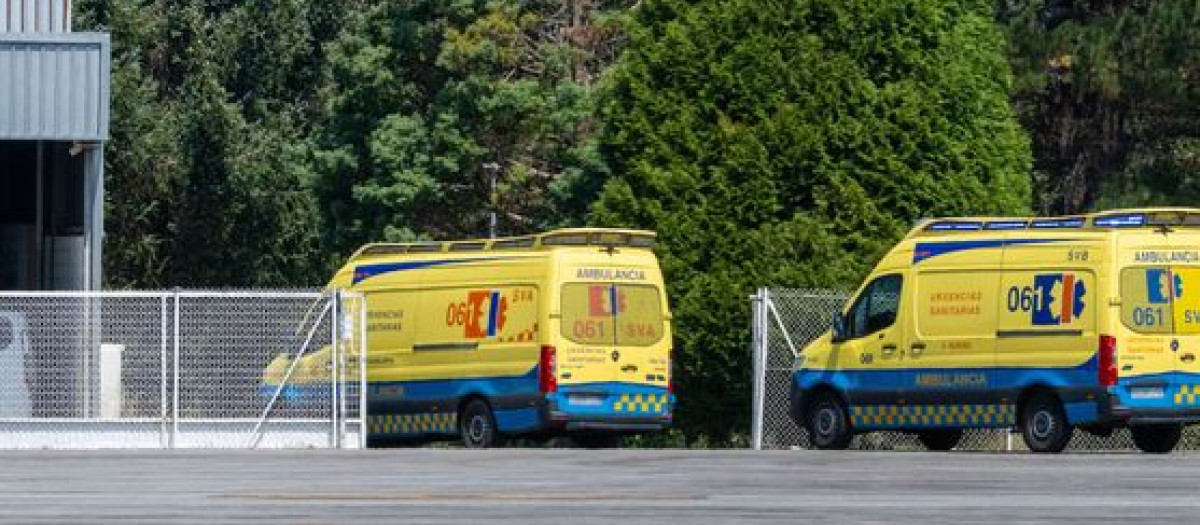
(580,486)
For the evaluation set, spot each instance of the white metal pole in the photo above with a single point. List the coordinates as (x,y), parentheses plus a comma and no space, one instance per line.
(344,347)
(175,379)
(757,346)
(362,371)
(163,436)
(768,306)
(335,323)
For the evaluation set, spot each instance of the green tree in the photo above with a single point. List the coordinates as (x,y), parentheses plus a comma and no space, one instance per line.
(791,143)
(1107,90)
(210,108)
(438,113)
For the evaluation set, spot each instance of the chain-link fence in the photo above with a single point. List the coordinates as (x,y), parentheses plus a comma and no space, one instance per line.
(180,369)
(785,320)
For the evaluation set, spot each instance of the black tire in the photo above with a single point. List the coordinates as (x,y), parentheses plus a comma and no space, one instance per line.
(1156,439)
(941,439)
(1044,424)
(827,423)
(477,425)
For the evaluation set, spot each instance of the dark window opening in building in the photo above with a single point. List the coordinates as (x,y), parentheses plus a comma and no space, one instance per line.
(42,211)
(18,215)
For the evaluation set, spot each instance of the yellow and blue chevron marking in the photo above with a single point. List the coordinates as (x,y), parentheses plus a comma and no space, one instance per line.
(420,423)
(1187,395)
(653,403)
(897,416)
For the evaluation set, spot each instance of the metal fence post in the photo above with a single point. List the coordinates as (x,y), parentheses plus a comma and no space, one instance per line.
(757,340)
(175,378)
(343,346)
(362,371)
(335,325)
(164,437)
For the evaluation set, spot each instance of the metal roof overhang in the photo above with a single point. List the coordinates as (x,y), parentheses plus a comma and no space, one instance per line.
(54,86)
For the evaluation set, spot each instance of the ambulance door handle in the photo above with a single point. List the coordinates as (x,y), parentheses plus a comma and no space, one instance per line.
(888,349)
(917,348)
(1188,357)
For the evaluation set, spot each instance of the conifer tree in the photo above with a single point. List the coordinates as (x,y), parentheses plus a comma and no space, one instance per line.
(791,143)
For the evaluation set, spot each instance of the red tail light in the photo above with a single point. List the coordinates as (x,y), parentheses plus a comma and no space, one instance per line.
(547,382)
(1108,360)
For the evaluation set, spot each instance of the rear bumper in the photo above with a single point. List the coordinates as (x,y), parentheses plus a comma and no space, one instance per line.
(615,426)
(1149,416)
(1164,400)
(609,407)
(556,418)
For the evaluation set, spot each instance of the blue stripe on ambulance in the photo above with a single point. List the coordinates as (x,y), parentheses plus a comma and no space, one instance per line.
(925,250)
(619,401)
(363,272)
(999,379)
(1177,390)
(493,312)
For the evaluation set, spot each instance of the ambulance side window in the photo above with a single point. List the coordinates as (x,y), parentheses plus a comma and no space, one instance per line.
(876,308)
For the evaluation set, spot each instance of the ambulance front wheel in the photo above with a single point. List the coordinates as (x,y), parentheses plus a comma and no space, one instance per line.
(477,425)
(1156,439)
(1044,423)
(827,423)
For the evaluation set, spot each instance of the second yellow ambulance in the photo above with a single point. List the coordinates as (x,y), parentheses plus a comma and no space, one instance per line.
(565,332)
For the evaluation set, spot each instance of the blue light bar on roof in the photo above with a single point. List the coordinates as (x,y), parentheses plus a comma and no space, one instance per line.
(1072,222)
(1006,225)
(1121,221)
(954,226)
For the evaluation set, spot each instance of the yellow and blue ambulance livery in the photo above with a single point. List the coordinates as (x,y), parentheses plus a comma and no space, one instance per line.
(1044,324)
(565,332)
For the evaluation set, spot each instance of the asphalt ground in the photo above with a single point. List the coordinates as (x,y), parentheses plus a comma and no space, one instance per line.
(582,487)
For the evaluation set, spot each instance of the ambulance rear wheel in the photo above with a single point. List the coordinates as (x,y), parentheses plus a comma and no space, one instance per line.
(827,423)
(1156,439)
(477,425)
(1044,424)
(940,440)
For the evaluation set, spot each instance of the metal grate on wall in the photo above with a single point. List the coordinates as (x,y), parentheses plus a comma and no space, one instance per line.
(35,16)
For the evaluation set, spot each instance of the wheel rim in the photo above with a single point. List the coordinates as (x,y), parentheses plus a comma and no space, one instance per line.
(476,429)
(1042,425)
(826,420)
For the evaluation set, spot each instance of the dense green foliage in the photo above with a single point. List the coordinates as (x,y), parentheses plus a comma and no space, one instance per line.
(437,113)
(790,143)
(1108,92)
(257,142)
(783,142)
(209,101)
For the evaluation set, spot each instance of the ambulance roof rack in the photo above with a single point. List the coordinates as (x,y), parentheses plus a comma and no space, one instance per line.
(602,237)
(1128,218)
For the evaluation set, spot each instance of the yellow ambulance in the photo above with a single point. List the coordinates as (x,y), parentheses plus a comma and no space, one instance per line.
(565,332)
(1043,324)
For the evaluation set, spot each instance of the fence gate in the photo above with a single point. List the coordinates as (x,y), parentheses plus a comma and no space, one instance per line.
(180,369)
(785,320)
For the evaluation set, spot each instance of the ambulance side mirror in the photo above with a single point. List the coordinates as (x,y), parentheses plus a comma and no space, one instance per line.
(839,327)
